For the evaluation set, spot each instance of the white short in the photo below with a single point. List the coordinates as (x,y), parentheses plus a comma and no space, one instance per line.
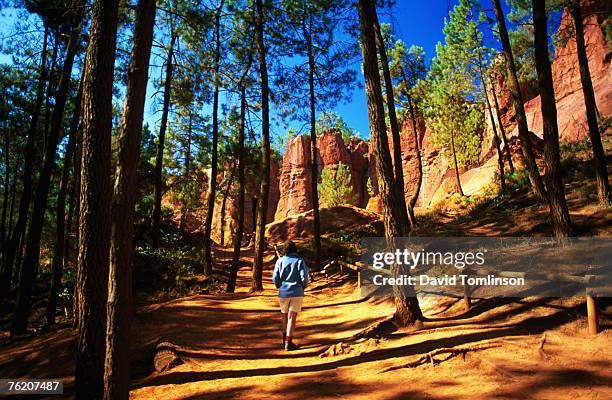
(290,304)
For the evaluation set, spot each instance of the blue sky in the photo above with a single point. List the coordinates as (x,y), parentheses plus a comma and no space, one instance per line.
(415,22)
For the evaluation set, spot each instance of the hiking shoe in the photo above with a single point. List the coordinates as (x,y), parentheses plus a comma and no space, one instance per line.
(291,346)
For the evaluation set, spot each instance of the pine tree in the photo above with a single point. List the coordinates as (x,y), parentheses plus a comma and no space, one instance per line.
(599,155)
(407,307)
(537,185)
(554,184)
(336,187)
(95,209)
(32,247)
(118,332)
(264,188)
(319,80)
(451,98)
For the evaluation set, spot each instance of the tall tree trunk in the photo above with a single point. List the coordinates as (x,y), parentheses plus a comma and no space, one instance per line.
(161,139)
(60,225)
(76,192)
(231,282)
(120,307)
(262,207)
(411,108)
(6,194)
(212,189)
(32,250)
(224,203)
(537,185)
(50,87)
(554,184)
(26,194)
(314,168)
(96,197)
(599,155)
(417,147)
(11,212)
(407,307)
(187,172)
(502,129)
(395,132)
(457,175)
(500,157)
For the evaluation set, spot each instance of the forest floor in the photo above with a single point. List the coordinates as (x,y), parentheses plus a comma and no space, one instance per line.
(230,345)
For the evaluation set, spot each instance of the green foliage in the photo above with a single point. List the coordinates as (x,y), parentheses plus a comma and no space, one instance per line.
(517,180)
(451,91)
(308,33)
(280,143)
(336,187)
(521,36)
(330,120)
(369,187)
(407,68)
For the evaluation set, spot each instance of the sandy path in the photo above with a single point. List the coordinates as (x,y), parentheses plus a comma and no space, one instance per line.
(231,346)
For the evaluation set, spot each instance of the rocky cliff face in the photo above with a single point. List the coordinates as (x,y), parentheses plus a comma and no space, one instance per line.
(295,176)
(571,115)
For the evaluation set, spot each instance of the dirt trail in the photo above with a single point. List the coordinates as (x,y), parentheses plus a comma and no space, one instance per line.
(231,346)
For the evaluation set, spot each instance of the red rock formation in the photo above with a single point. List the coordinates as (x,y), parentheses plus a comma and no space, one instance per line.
(571,115)
(294,185)
(437,177)
(295,179)
(333,219)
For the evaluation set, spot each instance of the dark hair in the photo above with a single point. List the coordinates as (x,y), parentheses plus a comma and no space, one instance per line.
(289,247)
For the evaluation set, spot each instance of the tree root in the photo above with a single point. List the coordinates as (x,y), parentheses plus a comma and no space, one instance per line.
(449,351)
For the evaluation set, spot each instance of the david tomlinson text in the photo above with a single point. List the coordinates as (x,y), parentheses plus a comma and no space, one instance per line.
(446,280)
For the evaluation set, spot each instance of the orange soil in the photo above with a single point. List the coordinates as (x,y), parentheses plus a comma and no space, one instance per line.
(230,345)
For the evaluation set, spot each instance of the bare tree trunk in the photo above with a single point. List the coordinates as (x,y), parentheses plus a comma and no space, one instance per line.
(50,86)
(502,129)
(599,155)
(537,184)
(159,157)
(262,207)
(500,157)
(60,225)
(407,307)
(26,194)
(5,197)
(415,195)
(119,306)
(187,172)
(76,191)
(224,203)
(395,132)
(457,178)
(212,189)
(559,213)
(314,168)
(32,250)
(96,197)
(231,282)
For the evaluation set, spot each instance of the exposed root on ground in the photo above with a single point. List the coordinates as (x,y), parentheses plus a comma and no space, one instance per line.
(450,352)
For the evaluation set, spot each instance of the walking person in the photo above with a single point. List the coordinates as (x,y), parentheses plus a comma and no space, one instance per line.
(291,278)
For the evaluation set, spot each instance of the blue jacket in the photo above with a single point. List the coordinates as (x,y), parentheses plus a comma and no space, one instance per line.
(290,276)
